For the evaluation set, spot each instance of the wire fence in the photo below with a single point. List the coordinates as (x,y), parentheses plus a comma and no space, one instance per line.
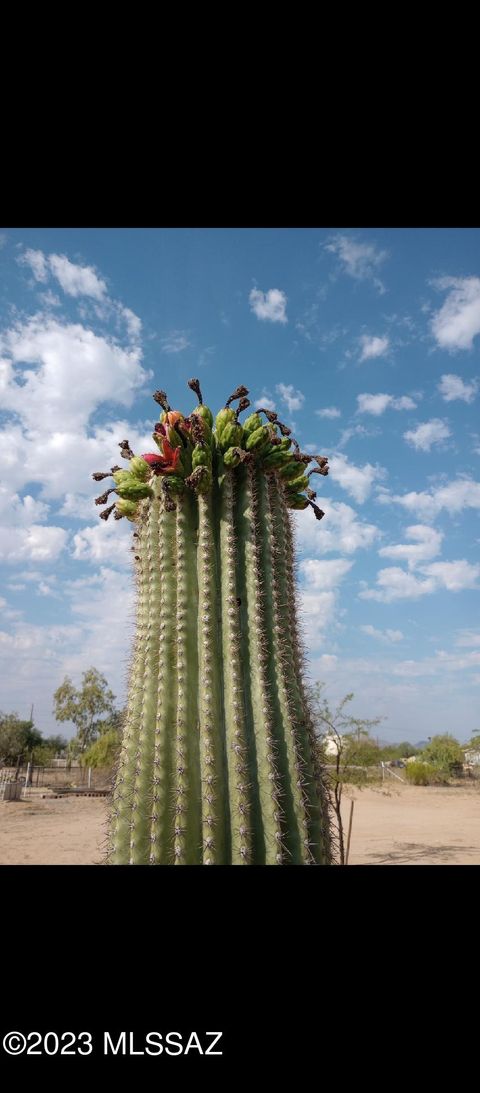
(28,781)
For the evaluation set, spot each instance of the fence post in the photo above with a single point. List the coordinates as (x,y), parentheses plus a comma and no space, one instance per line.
(349,832)
(89,777)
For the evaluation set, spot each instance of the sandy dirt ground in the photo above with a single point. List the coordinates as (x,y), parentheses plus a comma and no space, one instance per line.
(414,825)
(396,825)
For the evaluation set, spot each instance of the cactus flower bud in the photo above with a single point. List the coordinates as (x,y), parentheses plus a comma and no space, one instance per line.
(252,423)
(224,417)
(298,501)
(140,468)
(231,436)
(134,490)
(256,439)
(205,413)
(200,456)
(125,508)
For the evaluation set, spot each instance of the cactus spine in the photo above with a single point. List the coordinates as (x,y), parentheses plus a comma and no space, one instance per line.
(218,761)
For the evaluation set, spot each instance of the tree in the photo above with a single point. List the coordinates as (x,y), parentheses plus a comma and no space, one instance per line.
(351,737)
(104,752)
(444,753)
(17,738)
(84,707)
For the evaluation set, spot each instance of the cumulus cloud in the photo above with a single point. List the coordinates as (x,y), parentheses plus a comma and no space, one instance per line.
(329,412)
(36,262)
(341,530)
(430,432)
(395,584)
(265,400)
(269,305)
(36,543)
(389,636)
(377,404)
(373,346)
(357,481)
(106,541)
(73,371)
(319,596)
(76,280)
(357,259)
(457,322)
(291,398)
(452,387)
(426,544)
(462,493)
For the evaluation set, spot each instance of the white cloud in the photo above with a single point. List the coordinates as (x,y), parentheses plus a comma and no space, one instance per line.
(373,346)
(454,576)
(132,321)
(73,371)
(458,321)
(175,342)
(292,399)
(319,599)
(427,544)
(389,636)
(355,430)
(37,263)
(36,543)
(395,584)
(265,401)
(430,432)
(462,493)
(269,305)
(76,280)
(452,387)
(329,412)
(358,260)
(49,299)
(340,530)
(358,481)
(324,574)
(106,541)
(377,404)
(22,537)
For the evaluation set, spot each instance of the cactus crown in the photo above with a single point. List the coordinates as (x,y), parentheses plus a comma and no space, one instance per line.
(188,451)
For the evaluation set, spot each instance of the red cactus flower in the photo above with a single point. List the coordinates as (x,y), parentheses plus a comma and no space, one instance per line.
(166,463)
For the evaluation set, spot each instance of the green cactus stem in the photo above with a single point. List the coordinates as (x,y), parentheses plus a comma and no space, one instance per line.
(218,763)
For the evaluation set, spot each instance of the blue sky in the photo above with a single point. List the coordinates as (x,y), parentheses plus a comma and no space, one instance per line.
(365,341)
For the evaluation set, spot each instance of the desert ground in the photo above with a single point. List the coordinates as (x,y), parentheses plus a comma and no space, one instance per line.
(392,825)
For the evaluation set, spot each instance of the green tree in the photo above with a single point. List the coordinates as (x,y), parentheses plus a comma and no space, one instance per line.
(104,752)
(352,744)
(17,738)
(84,707)
(444,753)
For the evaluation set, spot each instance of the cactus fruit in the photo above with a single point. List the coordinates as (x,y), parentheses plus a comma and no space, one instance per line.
(218,764)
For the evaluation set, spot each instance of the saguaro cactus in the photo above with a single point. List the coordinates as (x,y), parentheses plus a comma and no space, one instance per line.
(218,762)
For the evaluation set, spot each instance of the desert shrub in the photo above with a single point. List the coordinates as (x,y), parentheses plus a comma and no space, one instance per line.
(423,774)
(445,753)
